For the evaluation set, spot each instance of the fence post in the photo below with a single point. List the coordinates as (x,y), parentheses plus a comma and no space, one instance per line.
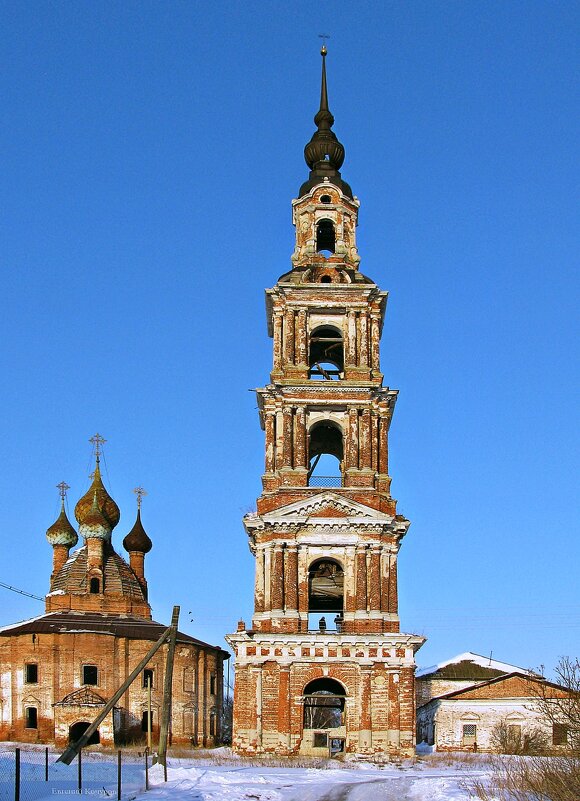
(119,776)
(146,768)
(46,764)
(17,775)
(80,771)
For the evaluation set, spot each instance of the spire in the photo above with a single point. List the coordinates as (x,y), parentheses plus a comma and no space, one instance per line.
(323,118)
(324,154)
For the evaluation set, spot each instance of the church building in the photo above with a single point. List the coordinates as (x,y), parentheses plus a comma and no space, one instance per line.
(58,670)
(324,667)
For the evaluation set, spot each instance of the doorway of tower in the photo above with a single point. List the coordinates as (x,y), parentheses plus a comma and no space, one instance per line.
(324,725)
(78,729)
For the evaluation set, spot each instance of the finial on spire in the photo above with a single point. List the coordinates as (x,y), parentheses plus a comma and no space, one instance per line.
(139,492)
(62,488)
(323,36)
(97,441)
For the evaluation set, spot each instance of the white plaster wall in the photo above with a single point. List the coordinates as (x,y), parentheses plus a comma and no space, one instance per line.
(450,716)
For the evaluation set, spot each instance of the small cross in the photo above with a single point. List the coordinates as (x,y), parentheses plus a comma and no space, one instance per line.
(324,37)
(97,440)
(62,488)
(139,492)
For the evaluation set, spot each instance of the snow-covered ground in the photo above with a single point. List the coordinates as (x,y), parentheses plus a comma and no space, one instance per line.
(218,775)
(429,778)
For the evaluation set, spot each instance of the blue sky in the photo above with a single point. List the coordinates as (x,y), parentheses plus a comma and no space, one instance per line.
(151,152)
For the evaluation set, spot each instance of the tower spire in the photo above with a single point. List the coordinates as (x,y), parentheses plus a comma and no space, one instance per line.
(324,154)
(323,87)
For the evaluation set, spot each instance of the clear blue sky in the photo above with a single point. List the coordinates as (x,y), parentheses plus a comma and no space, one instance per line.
(150,154)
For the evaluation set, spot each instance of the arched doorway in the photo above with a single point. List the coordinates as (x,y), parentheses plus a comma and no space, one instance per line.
(324,725)
(78,729)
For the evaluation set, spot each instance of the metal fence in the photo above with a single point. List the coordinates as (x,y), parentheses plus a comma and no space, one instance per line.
(33,773)
(325,481)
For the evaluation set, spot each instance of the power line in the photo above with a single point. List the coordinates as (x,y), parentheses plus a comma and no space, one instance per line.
(21,592)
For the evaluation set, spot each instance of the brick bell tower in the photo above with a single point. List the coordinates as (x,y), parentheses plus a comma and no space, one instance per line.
(324,665)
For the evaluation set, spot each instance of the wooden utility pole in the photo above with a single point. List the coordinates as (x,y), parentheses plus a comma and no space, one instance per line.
(166,710)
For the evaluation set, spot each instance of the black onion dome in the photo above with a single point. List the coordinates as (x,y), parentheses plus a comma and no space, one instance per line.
(324,154)
(61,532)
(106,504)
(137,539)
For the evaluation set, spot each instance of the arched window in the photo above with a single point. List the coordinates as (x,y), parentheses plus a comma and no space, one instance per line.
(95,586)
(323,704)
(326,353)
(325,237)
(325,454)
(326,587)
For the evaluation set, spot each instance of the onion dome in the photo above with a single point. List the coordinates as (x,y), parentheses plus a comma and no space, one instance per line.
(137,539)
(94,524)
(324,154)
(61,532)
(106,505)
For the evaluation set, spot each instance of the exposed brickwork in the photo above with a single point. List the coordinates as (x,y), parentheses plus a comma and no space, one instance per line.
(350,532)
(67,664)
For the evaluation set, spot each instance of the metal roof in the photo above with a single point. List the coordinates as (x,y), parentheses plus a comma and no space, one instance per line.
(133,628)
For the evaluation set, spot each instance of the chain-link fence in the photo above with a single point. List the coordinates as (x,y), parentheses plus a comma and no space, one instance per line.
(33,773)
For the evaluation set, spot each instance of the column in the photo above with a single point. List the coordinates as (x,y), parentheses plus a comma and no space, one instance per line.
(350,360)
(277,340)
(365,728)
(284,705)
(291,578)
(289,336)
(393,599)
(277,579)
(375,580)
(365,438)
(259,582)
(383,445)
(303,581)
(374,441)
(287,436)
(352,442)
(270,426)
(364,340)
(197,702)
(300,437)
(301,337)
(375,338)
(202,698)
(361,578)
(385,580)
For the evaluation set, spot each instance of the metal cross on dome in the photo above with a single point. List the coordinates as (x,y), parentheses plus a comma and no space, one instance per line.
(139,492)
(62,488)
(324,37)
(97,440)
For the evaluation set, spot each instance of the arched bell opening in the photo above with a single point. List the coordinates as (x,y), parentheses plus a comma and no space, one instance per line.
(77,730)
(324,700)
(325,237)
(326,594)
(326,358)
(325,455)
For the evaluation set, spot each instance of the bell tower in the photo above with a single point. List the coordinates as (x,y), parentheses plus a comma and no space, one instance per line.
(324,666)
